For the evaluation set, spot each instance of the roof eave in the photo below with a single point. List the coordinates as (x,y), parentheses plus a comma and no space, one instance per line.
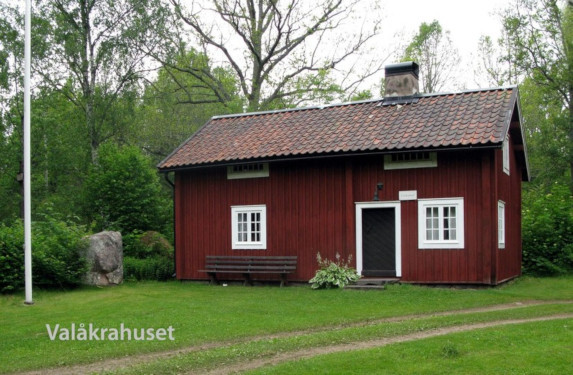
(226,163)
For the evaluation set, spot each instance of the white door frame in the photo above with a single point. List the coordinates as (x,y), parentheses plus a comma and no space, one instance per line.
(370,205)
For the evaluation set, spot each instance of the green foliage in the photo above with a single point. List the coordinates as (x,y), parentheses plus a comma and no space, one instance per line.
(152,268)
(539,43)
(147,244)
(281,65)
(434,51)
(545,122)
(177,103)
(56,245)
(548,231)
(147,256)
(333,274)
(122,191)
(10,156)
(11,257)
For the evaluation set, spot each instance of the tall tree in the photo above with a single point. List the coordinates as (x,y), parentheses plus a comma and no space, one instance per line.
(93,44)
(275,47)
(433,49)
(540,39)
(175,104)
(494,63)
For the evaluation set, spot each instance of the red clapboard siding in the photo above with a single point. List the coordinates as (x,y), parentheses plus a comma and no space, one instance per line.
(311,208)
(306,214)
(509,188)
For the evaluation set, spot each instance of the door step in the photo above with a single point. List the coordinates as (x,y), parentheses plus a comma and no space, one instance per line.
(372,283)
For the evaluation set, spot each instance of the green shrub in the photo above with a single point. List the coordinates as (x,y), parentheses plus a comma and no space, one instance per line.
(56,249)
(548,232)
(147,256)
(122,192)
(147,244)
(56,262)
(11,257)
(154,268)
(333,274)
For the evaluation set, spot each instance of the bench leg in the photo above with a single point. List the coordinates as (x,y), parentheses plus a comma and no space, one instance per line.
(283,279)
(213,279)
(247,281)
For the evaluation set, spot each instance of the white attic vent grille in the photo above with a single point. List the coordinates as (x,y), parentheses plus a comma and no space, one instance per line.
(408,160)
(251,170)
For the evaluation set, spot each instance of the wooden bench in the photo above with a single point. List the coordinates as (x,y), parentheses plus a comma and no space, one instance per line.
(247,265)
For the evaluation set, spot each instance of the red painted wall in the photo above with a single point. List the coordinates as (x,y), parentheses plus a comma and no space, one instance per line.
(304,214)
(311,209)
(509,190)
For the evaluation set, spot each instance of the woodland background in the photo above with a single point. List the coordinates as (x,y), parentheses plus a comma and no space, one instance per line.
(118,84)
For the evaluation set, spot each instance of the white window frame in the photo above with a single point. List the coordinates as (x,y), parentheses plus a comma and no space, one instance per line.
(505,153)
(245,172)
(249,244)
(441,243)
(501,224)
(390,164)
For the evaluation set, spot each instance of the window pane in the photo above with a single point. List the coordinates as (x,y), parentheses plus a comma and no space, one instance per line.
(432,223)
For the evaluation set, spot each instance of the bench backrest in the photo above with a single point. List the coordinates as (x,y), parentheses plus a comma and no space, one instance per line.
(251,263)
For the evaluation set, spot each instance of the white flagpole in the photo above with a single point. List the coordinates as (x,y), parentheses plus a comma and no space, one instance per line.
(27,163)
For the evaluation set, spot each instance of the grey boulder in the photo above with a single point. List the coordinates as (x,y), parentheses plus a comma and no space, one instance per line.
(104,256)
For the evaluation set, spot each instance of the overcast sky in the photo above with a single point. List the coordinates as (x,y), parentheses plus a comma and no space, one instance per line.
(466,21)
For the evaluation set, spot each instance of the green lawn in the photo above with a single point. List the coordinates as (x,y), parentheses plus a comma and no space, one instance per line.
(203,314)
(532,348)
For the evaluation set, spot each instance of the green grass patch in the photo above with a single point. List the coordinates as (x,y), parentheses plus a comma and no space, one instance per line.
(530,348)
(265,348)
(203,314)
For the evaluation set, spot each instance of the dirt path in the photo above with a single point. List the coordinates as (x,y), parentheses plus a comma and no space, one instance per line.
(312,352)
(116,363)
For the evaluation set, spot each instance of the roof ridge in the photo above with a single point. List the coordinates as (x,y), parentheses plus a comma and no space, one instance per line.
(358,102)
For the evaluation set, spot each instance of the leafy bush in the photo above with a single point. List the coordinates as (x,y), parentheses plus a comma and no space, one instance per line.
(333,273)
(11,257)
(56,246)
(548,232)
(147,244)
(147,256)
(154,268)
(56,249)
(123,191)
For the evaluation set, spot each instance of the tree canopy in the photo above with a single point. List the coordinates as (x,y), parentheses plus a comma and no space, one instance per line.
(274,48)
(540,46)
(434,51)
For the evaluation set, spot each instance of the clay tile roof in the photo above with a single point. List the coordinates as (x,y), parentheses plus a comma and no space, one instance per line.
(464,119)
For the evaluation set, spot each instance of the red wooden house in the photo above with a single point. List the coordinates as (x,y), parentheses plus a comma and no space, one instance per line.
(423,187)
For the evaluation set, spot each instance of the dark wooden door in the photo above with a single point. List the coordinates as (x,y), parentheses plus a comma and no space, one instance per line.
(378,242)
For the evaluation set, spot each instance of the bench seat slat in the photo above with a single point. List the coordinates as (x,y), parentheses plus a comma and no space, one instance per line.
(249,264)
(260,269)
(238,264)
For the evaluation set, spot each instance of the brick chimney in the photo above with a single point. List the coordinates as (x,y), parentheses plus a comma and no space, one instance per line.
(401,79)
